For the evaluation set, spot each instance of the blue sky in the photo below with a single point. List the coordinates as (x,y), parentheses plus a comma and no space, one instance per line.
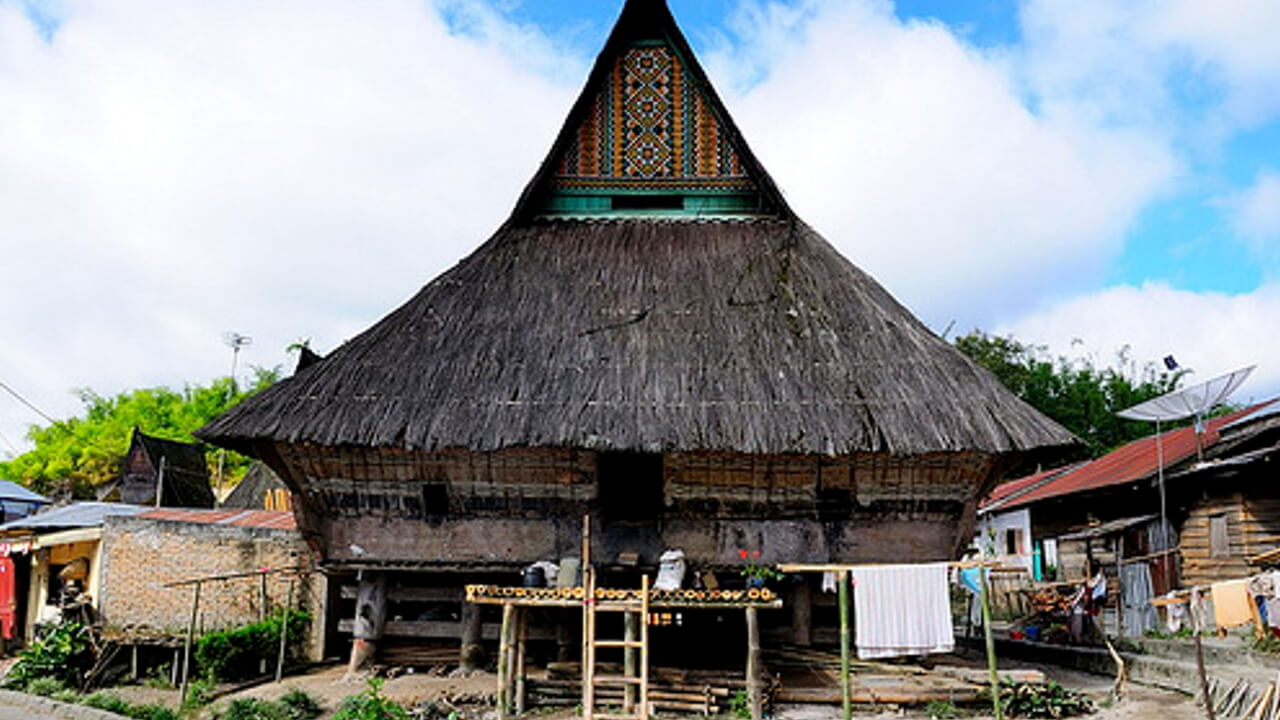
(1087,175)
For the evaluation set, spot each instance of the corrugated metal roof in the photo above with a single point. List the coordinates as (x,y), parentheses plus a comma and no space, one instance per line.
(265,519)
(81,514)
(1004,494)
(1137,460)
(10,490)
(1108,527)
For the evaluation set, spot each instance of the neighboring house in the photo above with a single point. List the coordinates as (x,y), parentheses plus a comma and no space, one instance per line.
(260,489)
(54,560)
(655,340)
(162,473)
(245,556)
(1104,515)
(17,501)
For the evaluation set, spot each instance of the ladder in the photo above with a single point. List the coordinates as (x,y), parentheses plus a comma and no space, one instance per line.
(635,675)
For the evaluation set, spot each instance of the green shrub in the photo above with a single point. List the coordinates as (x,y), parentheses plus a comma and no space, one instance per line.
(740,704)
(151,712)
(941,710)
(299,705)
(236,654)
(1042,701)
(371,705)
(44,686)
(253,709)
(60,653)
(199,693)
(108,701)
(66,695)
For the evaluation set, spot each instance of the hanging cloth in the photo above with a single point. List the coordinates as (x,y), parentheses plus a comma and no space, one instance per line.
(1231,601)
(902,610)
(828,582)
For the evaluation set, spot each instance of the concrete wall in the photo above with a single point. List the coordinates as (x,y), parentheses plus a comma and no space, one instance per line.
(141,556)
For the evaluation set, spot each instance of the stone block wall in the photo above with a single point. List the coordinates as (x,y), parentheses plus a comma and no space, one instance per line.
(141,556)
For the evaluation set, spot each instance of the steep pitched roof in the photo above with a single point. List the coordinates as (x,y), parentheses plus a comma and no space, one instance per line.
(649,123)
(744,332)
(75,515)
(1134,461)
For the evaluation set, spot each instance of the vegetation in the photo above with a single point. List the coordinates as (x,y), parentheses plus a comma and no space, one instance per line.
(293,705)
(941,710)
(1081,396)
(55,660)
(73,457)
(1024,700)
(236,654)
(371,705)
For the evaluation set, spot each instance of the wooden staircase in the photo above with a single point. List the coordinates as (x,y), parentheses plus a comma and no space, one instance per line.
(635,649)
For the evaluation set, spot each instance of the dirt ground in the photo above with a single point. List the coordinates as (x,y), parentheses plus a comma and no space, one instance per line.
(329,685)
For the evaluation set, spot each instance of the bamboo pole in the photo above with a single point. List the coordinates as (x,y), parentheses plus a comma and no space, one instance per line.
(983,598)
(753,663)
(504,668)
(186,651)
(631,633)
(284,630)
(1204,679)
(845,690)
(522,637)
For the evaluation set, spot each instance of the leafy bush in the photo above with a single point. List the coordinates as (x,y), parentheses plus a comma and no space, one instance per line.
(252,709)
(941,710)
(60,654)
(236,654)
(151,712)
(371,705)
(66,695)
(1042,701)
(740,704)
(44,686)
(103,700)
(299,705)
(199,693)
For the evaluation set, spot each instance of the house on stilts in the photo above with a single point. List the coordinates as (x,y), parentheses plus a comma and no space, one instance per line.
(654,340)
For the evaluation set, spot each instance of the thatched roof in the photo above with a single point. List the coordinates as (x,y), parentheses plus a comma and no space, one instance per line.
(745,332)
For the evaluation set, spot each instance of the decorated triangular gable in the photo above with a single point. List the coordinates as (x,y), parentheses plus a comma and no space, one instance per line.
(649,135)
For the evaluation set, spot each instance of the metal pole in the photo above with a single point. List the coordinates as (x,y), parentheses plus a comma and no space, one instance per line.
(984,599)
(845,691)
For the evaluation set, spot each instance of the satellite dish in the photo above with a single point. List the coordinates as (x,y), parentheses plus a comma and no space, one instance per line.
(1193,401)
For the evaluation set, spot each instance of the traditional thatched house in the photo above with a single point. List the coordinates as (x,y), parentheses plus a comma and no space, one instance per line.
(652,338)
(163,473)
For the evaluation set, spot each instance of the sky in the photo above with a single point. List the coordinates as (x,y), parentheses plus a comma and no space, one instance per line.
(1088,176)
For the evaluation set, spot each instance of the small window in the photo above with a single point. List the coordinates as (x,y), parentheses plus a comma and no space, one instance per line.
(1219,539)
(1013,541)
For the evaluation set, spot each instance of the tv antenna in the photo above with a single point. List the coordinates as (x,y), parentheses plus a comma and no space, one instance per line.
(1194,401)
(235,341)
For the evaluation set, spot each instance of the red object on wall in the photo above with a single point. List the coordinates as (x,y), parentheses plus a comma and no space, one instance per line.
(8,598)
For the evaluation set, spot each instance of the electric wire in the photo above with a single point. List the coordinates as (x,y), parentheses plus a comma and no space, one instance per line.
(27,402)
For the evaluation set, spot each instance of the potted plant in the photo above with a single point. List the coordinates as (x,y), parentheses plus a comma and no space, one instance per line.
(756,573)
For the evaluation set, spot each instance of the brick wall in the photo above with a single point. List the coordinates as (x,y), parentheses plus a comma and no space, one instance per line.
(142,555)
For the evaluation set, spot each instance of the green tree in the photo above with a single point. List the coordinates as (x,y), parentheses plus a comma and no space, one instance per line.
(1081,396)
(74,457)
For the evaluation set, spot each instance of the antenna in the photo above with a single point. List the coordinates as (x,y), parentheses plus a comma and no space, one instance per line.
(235,341)
(1194,401)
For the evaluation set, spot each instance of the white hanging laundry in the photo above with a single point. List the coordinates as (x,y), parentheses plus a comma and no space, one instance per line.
(902,610)
(828,582)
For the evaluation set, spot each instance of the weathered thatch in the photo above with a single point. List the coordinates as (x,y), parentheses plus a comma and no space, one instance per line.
(743,335)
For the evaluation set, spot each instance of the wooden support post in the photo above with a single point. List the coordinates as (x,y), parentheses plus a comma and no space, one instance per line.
(802,614)
(284,630)
(983,597)
(371,616)
(845,689)
(1204,680)
(262,615)
(186,649)
(471,652)
(133,663)
(753,663)
(522,639)
(504,661)
(630,656)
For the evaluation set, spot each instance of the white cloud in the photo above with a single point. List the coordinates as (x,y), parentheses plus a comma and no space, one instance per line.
(1212,333)
(1256,211)
(170,171)
(917,156)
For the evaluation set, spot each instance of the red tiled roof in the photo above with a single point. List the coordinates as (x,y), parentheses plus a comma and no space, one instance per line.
(1127,463)
(266,519)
